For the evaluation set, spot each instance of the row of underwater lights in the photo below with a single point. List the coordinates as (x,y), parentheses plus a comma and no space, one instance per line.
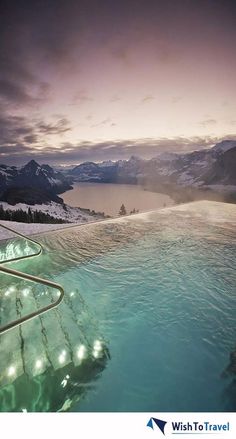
(26,292)
(81,351)
(81,354)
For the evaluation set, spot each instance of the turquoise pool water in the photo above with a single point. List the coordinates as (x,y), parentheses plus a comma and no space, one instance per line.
(157,292)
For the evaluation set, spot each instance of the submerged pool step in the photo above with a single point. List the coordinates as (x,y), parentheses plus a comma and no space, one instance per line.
(55,340)
(76,338)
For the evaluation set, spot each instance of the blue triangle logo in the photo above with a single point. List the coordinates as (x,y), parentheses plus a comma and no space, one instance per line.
(160,424)
(150,424)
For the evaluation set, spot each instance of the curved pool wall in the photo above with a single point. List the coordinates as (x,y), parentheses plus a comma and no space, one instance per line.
(148,321)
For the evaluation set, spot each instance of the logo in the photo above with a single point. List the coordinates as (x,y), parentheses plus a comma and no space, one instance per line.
(159,423)
(189,427)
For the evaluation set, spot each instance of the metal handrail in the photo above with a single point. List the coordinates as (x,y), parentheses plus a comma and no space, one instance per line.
(31,278)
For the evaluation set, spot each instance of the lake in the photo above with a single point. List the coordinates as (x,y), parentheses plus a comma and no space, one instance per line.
(107,198)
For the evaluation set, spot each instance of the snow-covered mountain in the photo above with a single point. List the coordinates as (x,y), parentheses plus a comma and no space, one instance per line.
(94,172)
(215,166)
(204,168)
(31,184)
(33,175)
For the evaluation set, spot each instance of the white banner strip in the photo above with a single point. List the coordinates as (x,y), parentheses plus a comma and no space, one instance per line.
(117,425)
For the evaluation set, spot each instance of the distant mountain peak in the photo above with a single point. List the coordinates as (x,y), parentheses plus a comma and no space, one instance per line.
(33,176)
(32,164)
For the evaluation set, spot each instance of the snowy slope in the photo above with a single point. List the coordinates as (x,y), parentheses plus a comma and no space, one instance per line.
(67,213)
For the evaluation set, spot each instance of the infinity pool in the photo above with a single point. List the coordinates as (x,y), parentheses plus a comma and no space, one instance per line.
(147,324)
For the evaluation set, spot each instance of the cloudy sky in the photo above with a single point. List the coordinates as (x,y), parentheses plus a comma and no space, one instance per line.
(97,79)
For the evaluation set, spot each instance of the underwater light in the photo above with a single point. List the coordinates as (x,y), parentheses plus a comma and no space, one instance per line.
(10,290)
(26,292)
(81,353)
(96,354)
(97,348)
(97,345)
(11,371)
(62,357)
(38,364)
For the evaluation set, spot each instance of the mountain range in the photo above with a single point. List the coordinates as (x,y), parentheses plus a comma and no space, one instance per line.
(208,167)
(211,169)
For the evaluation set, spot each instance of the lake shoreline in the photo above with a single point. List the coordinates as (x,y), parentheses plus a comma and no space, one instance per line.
(108,197)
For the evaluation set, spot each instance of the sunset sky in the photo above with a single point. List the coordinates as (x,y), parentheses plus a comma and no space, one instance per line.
(97,80)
